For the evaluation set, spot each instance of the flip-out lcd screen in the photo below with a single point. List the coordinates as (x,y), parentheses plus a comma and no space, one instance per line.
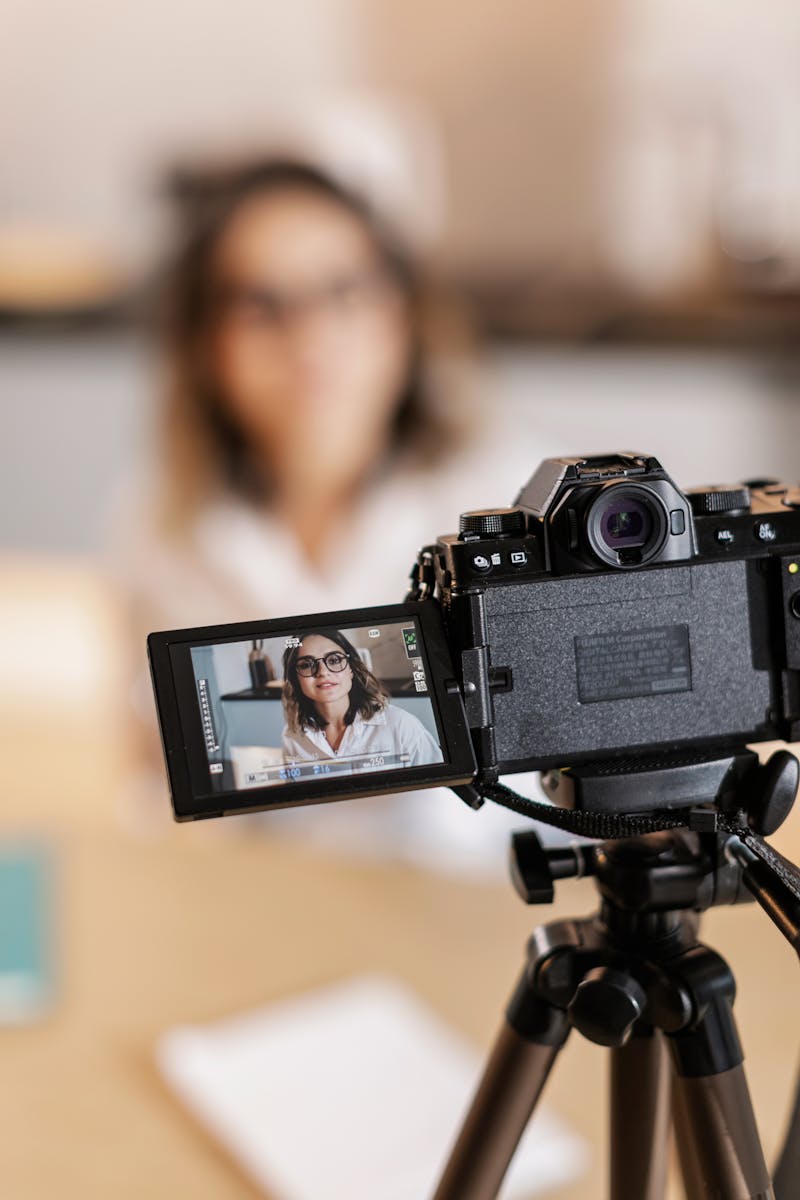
(312,708)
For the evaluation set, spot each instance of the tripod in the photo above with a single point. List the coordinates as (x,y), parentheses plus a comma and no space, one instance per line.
(633,977)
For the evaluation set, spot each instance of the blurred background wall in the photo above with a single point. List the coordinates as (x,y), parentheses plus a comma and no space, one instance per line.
(610,175)
(96,98)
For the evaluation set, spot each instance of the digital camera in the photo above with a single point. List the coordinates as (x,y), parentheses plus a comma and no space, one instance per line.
(605,615)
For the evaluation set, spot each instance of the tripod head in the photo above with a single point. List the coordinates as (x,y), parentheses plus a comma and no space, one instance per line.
(731,783)
(716,810)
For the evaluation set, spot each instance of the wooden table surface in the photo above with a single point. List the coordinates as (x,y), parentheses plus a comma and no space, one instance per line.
(190,923)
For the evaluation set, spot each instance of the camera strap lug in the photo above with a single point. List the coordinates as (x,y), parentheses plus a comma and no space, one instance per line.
(475,674)
(423,575)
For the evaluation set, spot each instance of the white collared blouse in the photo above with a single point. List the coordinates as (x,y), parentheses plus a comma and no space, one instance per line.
(390,731)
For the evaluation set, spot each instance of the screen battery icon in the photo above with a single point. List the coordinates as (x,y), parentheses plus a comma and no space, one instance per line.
(410,639)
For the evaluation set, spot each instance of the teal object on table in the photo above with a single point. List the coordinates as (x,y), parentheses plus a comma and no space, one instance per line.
(26,933)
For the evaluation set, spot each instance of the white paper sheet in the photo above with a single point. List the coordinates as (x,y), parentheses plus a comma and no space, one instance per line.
(352,1092)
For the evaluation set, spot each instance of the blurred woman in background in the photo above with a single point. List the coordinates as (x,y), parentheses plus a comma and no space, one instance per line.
(306,451)
(302,447)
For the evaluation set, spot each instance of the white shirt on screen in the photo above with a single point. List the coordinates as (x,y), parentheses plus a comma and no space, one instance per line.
(390,731)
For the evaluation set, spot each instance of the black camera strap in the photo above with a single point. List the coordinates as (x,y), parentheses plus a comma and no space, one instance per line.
(602,825)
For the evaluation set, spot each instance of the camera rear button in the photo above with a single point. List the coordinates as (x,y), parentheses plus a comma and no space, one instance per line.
(765,531)
(480,562)
(518,558)
(724,537)
(677,521)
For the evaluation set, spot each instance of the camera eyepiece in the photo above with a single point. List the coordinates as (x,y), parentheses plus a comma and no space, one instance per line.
(613,510)
(626,525)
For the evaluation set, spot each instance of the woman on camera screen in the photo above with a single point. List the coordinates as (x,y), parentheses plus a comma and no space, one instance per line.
(336,708)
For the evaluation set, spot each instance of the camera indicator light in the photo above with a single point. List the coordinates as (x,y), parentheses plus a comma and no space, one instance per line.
(794,568)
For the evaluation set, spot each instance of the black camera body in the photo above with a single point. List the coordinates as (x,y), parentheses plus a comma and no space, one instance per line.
(608,618)
(607,614)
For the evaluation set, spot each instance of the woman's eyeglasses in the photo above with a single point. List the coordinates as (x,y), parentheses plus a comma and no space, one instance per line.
(334,661)
(345,297)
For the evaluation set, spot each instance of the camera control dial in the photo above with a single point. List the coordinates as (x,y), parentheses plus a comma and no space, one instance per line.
(721,498)
(791,497)
(491,522)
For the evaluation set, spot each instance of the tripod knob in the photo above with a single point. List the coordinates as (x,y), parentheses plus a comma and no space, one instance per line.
(533,869)
(606,1006)
(778,781)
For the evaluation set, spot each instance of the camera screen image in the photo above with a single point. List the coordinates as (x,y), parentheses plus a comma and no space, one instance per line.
(317,703)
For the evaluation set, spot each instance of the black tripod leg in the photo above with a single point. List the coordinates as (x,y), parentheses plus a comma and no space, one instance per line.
(525,1049)
(718,1141)
(684,1138)
(725,1158)
(640,1117)
(786,1180)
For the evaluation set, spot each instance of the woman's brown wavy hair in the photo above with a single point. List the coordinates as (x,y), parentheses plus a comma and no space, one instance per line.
(368,696)
(204,450)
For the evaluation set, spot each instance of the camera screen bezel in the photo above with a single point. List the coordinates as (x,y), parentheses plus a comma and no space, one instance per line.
(181,732)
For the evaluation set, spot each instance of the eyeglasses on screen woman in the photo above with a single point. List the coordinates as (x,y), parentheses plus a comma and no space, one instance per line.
(334,661)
